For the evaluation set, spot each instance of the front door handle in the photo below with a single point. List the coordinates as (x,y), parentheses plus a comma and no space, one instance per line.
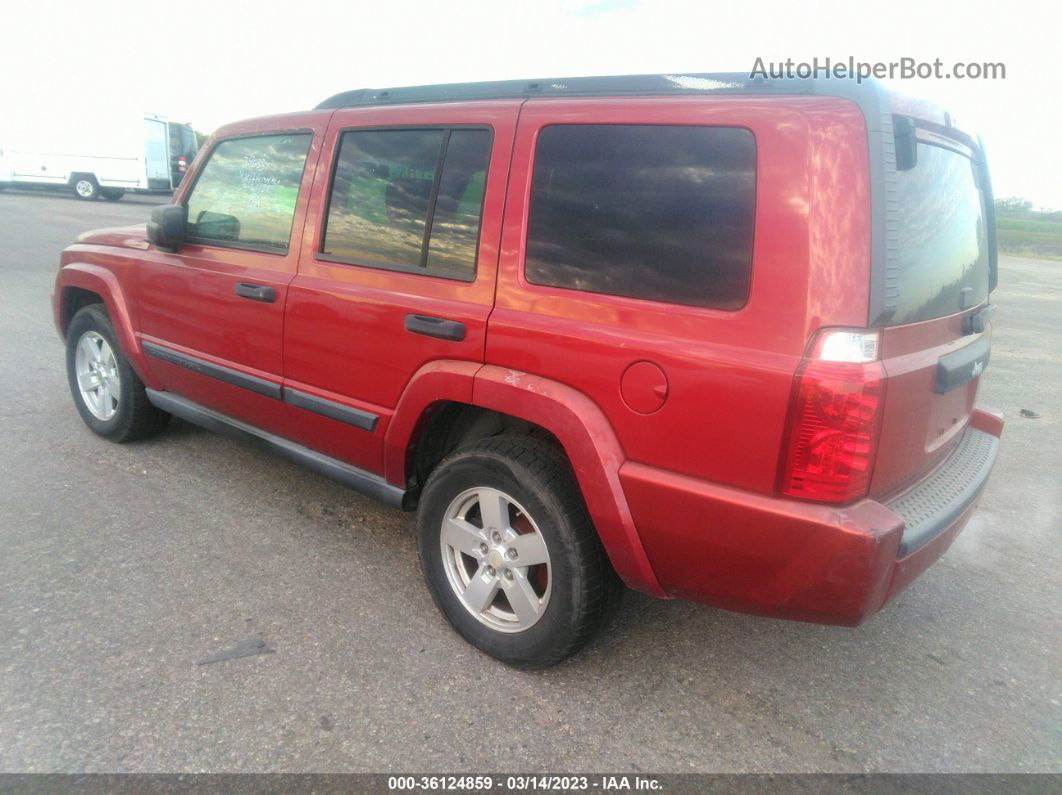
(256,292)
(435,327)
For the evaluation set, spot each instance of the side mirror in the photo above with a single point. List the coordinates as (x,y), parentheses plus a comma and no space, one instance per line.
(168,226)
(217,226)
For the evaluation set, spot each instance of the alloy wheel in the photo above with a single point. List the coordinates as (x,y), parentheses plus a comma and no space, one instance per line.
(496,559)
(97,375)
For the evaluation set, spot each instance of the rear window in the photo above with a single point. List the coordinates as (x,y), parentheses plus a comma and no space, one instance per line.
(943,242)
(656,212)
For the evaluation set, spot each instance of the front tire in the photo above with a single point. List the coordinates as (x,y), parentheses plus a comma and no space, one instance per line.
(86,188)
(107,392)
(509,553)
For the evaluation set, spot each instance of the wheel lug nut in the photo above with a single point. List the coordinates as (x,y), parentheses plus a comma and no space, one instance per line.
(483,549)
(491,571)
(508,574)
(496,536)
(511,554)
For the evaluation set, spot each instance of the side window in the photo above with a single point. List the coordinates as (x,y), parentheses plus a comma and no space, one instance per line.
(246,193)
(656,212)
(455,222)
(409,200)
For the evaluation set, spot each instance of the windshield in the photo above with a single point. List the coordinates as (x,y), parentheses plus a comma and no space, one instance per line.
(943,243)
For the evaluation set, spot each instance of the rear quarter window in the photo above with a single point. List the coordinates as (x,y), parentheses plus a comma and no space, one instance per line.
(645,211)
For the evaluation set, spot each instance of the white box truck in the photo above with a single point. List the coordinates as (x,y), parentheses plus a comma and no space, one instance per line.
(97,157)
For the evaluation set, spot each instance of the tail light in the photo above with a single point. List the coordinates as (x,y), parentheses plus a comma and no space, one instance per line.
(181,165)
(834,418)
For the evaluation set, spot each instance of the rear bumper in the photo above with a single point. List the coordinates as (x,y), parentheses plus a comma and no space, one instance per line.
(796,560)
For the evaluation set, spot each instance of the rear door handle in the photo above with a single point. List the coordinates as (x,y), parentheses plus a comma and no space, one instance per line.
(435,327)
(962,366)
(256,292)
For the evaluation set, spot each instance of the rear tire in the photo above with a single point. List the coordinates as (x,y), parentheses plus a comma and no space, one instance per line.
(85,188)
(107,392)
(112,194)
(532,615)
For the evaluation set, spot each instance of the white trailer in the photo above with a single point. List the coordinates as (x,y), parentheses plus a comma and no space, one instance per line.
(98,157)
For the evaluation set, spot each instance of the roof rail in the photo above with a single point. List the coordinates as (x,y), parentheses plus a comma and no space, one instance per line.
(619,85)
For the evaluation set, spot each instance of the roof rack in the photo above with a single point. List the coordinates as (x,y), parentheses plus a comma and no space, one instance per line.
(620,85)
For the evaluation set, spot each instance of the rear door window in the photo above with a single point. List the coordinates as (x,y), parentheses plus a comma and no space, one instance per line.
(646,211)
(246,193)
(943,242)
(409,200)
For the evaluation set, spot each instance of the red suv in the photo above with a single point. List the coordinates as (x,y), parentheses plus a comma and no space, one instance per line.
(710,337)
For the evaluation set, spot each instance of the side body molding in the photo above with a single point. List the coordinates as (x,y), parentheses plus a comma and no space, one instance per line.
(104,282)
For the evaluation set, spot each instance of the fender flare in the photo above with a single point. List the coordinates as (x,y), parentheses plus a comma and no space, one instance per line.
(444,380)
(103,282)
(573,418)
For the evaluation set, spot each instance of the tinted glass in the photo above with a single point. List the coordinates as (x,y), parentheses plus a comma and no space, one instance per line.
(389,189)
(455,223)
(247,191)
(664,213)
(943,245)
(380,195)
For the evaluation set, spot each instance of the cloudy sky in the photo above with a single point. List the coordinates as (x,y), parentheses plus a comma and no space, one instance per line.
(213,62)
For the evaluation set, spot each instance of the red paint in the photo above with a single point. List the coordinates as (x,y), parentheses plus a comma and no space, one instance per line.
(919,427)
(987,420)
(341,314)
(644,387)
(762,554)
(674,418)
(720,365)
(107,274)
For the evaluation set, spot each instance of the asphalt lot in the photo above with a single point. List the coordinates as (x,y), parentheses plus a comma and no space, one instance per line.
(122,567)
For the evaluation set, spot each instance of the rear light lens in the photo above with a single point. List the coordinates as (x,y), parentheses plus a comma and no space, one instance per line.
(834,418)
(181,166)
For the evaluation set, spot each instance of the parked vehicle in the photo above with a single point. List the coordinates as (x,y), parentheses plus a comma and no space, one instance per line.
(94,158)
(709,338)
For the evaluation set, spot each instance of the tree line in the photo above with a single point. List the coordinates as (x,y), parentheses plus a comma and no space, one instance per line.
(1017,206)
